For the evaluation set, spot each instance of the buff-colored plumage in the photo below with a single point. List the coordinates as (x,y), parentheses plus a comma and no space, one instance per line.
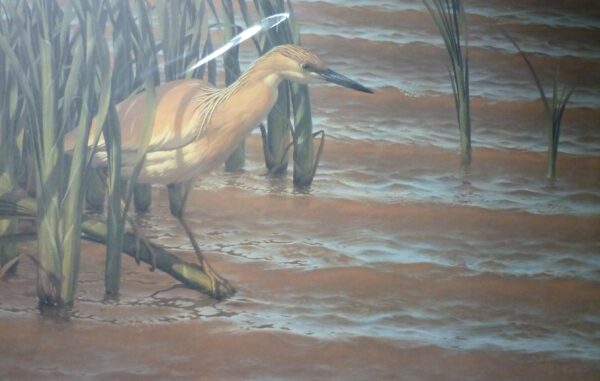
(197,126)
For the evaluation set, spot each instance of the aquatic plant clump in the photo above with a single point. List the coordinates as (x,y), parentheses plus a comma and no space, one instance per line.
(63,79)
(64,74)
(293,102)
(449,16)
(554,109)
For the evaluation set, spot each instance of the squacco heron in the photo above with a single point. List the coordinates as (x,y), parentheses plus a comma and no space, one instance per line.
(197,126)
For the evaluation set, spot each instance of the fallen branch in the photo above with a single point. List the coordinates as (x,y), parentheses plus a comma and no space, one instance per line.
(191,275)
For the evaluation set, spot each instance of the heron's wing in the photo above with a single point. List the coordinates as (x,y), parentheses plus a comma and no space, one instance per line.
(176,122)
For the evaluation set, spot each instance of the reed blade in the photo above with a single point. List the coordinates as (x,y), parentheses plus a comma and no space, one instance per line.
(450,18)
(231,64)
(554,108)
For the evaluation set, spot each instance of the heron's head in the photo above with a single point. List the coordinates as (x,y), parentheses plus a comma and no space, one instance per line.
(300,65)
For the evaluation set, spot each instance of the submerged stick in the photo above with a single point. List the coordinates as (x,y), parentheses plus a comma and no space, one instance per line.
(191,275)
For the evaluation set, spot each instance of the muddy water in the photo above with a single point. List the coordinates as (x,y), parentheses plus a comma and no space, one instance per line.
(396,264)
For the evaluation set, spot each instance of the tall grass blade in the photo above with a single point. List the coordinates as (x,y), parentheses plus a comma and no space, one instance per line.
(72,205)
(278,121)
(450,19)
(11,141)
(554,108)
(305,161)
(231,65)
(50,175)
(293,99)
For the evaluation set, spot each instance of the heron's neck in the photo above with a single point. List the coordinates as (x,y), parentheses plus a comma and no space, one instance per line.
(251,97)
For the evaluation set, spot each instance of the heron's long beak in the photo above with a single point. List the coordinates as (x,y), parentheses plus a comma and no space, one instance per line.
(334,77)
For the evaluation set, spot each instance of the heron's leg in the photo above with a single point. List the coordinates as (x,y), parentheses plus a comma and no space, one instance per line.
(178,202)
(136,231)
(139,234)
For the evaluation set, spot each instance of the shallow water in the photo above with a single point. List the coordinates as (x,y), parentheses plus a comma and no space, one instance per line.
(396,264)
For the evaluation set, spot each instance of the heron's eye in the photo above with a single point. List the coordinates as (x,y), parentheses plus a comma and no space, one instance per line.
(304,65)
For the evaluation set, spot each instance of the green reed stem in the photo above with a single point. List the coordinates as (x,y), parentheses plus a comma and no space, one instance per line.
(84,53)
(449,16)
(181,48)
(45,58)
(554,109)
(11,143)
(115,222)
(278,131)
(142,197)
(123,78)
(277,135)
(231,65)
(96,191)
(292,97)
(304,158)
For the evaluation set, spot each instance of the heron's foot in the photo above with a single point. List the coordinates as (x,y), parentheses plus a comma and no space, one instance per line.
(220,288)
